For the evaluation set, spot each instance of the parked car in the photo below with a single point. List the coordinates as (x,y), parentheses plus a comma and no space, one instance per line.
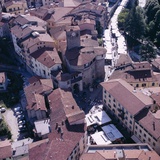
(16,109)
(22,122)
(22,128)
(2,109)
(20,118)
(18,113)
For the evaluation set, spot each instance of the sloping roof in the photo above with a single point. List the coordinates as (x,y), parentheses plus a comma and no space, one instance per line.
(5,149)
(130,154)
(10,3)
(57,147)
(34,94)
(84,55)
(141,65)
(120,89)
(19,32)
(25,19)
(156,98)
(47,56)
(31,41)
(65,99)
(148,120)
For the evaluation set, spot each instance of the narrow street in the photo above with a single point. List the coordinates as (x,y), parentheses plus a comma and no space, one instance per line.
(114,41)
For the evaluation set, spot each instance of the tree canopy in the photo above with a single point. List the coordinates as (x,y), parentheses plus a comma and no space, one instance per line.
(122,18)
(142,23)
(147,52)
(135,23)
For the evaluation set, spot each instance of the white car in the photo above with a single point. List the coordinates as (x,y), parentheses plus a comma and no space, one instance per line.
(22,122)
(21,126)
(18,113)
(17,108)
(2,109)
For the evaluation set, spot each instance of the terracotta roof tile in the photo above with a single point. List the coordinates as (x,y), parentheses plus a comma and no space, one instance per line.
(135,101)
(65,99)
(59,148)
(148,120)
(34,94)
(5,149)
(47,56)
(81,56)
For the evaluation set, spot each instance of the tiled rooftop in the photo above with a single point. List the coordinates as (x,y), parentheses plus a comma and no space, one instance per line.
(5,149)
(135,101)
(47,56)
(34,94)
(60,147)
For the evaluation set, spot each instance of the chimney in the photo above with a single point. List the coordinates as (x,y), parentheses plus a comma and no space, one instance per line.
(59,129)
(114,154)
(154,126)
(56,126)
(61,133)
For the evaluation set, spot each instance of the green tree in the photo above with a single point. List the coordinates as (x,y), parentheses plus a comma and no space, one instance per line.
(135,23)
(151,8)
(151,30)
(147,52)
(157,39)
(122,18)
(157,19)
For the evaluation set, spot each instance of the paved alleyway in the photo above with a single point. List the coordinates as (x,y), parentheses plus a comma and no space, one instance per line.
(11,120)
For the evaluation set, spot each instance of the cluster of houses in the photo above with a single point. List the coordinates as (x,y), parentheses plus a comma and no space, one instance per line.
(58,42)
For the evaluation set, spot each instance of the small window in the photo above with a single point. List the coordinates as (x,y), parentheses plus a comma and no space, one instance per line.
(140,131)
(143,85)
(109,96)
(144,135)
(136,132)
(154,144)
(153,84)
(149,139)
